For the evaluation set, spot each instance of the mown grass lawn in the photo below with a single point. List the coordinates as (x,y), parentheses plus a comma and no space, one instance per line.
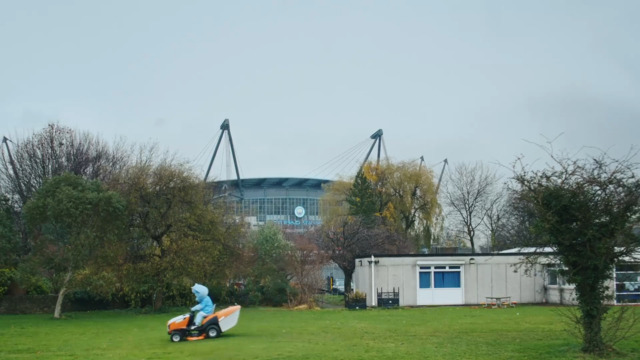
(526,332)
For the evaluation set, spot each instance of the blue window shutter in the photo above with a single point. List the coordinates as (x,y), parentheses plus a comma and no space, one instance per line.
(444,279)
(425,280)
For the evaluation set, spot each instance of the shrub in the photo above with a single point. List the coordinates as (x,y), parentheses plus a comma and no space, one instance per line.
(6,277)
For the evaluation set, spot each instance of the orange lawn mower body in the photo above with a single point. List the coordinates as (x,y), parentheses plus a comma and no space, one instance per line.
(180,327)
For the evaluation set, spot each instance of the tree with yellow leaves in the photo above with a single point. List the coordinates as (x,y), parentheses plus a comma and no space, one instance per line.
(390,208)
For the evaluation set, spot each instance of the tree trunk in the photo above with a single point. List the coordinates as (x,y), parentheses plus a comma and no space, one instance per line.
(158,299)
(61,294)
(592,326)
(494,245)
(592,310)
(347,281)
(471,234)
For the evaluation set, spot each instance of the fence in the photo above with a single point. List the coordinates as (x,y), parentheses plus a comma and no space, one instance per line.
(388,298)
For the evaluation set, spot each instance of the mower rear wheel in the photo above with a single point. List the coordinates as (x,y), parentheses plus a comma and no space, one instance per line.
(213,331)
(176,336)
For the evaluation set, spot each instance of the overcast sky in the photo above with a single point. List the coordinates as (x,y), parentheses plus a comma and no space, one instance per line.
(302,82)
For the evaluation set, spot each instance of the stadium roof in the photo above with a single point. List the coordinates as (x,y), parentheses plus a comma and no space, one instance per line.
(284,182)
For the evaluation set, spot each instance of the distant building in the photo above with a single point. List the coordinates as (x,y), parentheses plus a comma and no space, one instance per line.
(292,203)
(469,279)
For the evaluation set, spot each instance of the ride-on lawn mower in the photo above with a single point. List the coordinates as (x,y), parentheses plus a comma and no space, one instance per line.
(180,327)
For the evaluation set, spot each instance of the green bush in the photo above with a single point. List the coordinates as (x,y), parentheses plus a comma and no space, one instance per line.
(269,293)
(33,284)
(6,277)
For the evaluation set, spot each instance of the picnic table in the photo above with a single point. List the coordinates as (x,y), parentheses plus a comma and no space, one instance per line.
(499,301)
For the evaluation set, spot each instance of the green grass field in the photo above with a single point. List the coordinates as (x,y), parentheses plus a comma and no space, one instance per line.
(526,332)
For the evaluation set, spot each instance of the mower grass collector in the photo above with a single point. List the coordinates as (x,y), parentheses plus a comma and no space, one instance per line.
(180,327)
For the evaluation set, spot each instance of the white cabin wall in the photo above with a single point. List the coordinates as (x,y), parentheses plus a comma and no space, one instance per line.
(485,276)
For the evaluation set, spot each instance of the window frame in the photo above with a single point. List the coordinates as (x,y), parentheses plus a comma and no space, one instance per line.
(628,294)
(433,270)
(560,280)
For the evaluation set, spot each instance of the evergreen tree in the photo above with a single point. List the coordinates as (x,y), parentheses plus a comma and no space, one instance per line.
(362,199)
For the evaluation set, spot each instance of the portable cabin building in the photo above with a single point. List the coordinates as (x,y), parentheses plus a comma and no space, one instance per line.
(468,279)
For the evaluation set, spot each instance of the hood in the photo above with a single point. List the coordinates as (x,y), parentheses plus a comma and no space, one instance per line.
(200,291)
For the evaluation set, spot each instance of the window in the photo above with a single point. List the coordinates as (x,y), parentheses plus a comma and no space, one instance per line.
(425,279)
(442,277)
(627,283)
(554,275)
(446,279)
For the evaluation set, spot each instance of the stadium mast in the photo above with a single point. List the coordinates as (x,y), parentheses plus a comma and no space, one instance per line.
(441,173)
(377,138)
(226,128)
(5,141)
(445,161)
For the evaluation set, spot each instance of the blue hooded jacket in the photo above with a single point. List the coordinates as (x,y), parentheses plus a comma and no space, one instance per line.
(204,302)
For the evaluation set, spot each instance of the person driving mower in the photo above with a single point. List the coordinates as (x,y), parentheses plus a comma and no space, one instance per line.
(204,307)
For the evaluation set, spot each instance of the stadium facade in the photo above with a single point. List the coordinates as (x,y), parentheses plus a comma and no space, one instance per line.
(291,203)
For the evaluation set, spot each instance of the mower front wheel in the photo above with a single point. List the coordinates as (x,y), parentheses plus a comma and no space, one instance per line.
(176,336)
(213,331)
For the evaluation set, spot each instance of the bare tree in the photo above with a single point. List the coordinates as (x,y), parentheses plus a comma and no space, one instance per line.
(53,151)
(469,194)
(25,164)
(346,237)
(305,263)
(496,220)
(516,224)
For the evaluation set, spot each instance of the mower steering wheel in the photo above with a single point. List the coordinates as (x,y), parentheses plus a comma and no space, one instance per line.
(192,318)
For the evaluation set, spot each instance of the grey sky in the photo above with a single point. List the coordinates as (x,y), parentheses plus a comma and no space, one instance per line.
(304,81)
